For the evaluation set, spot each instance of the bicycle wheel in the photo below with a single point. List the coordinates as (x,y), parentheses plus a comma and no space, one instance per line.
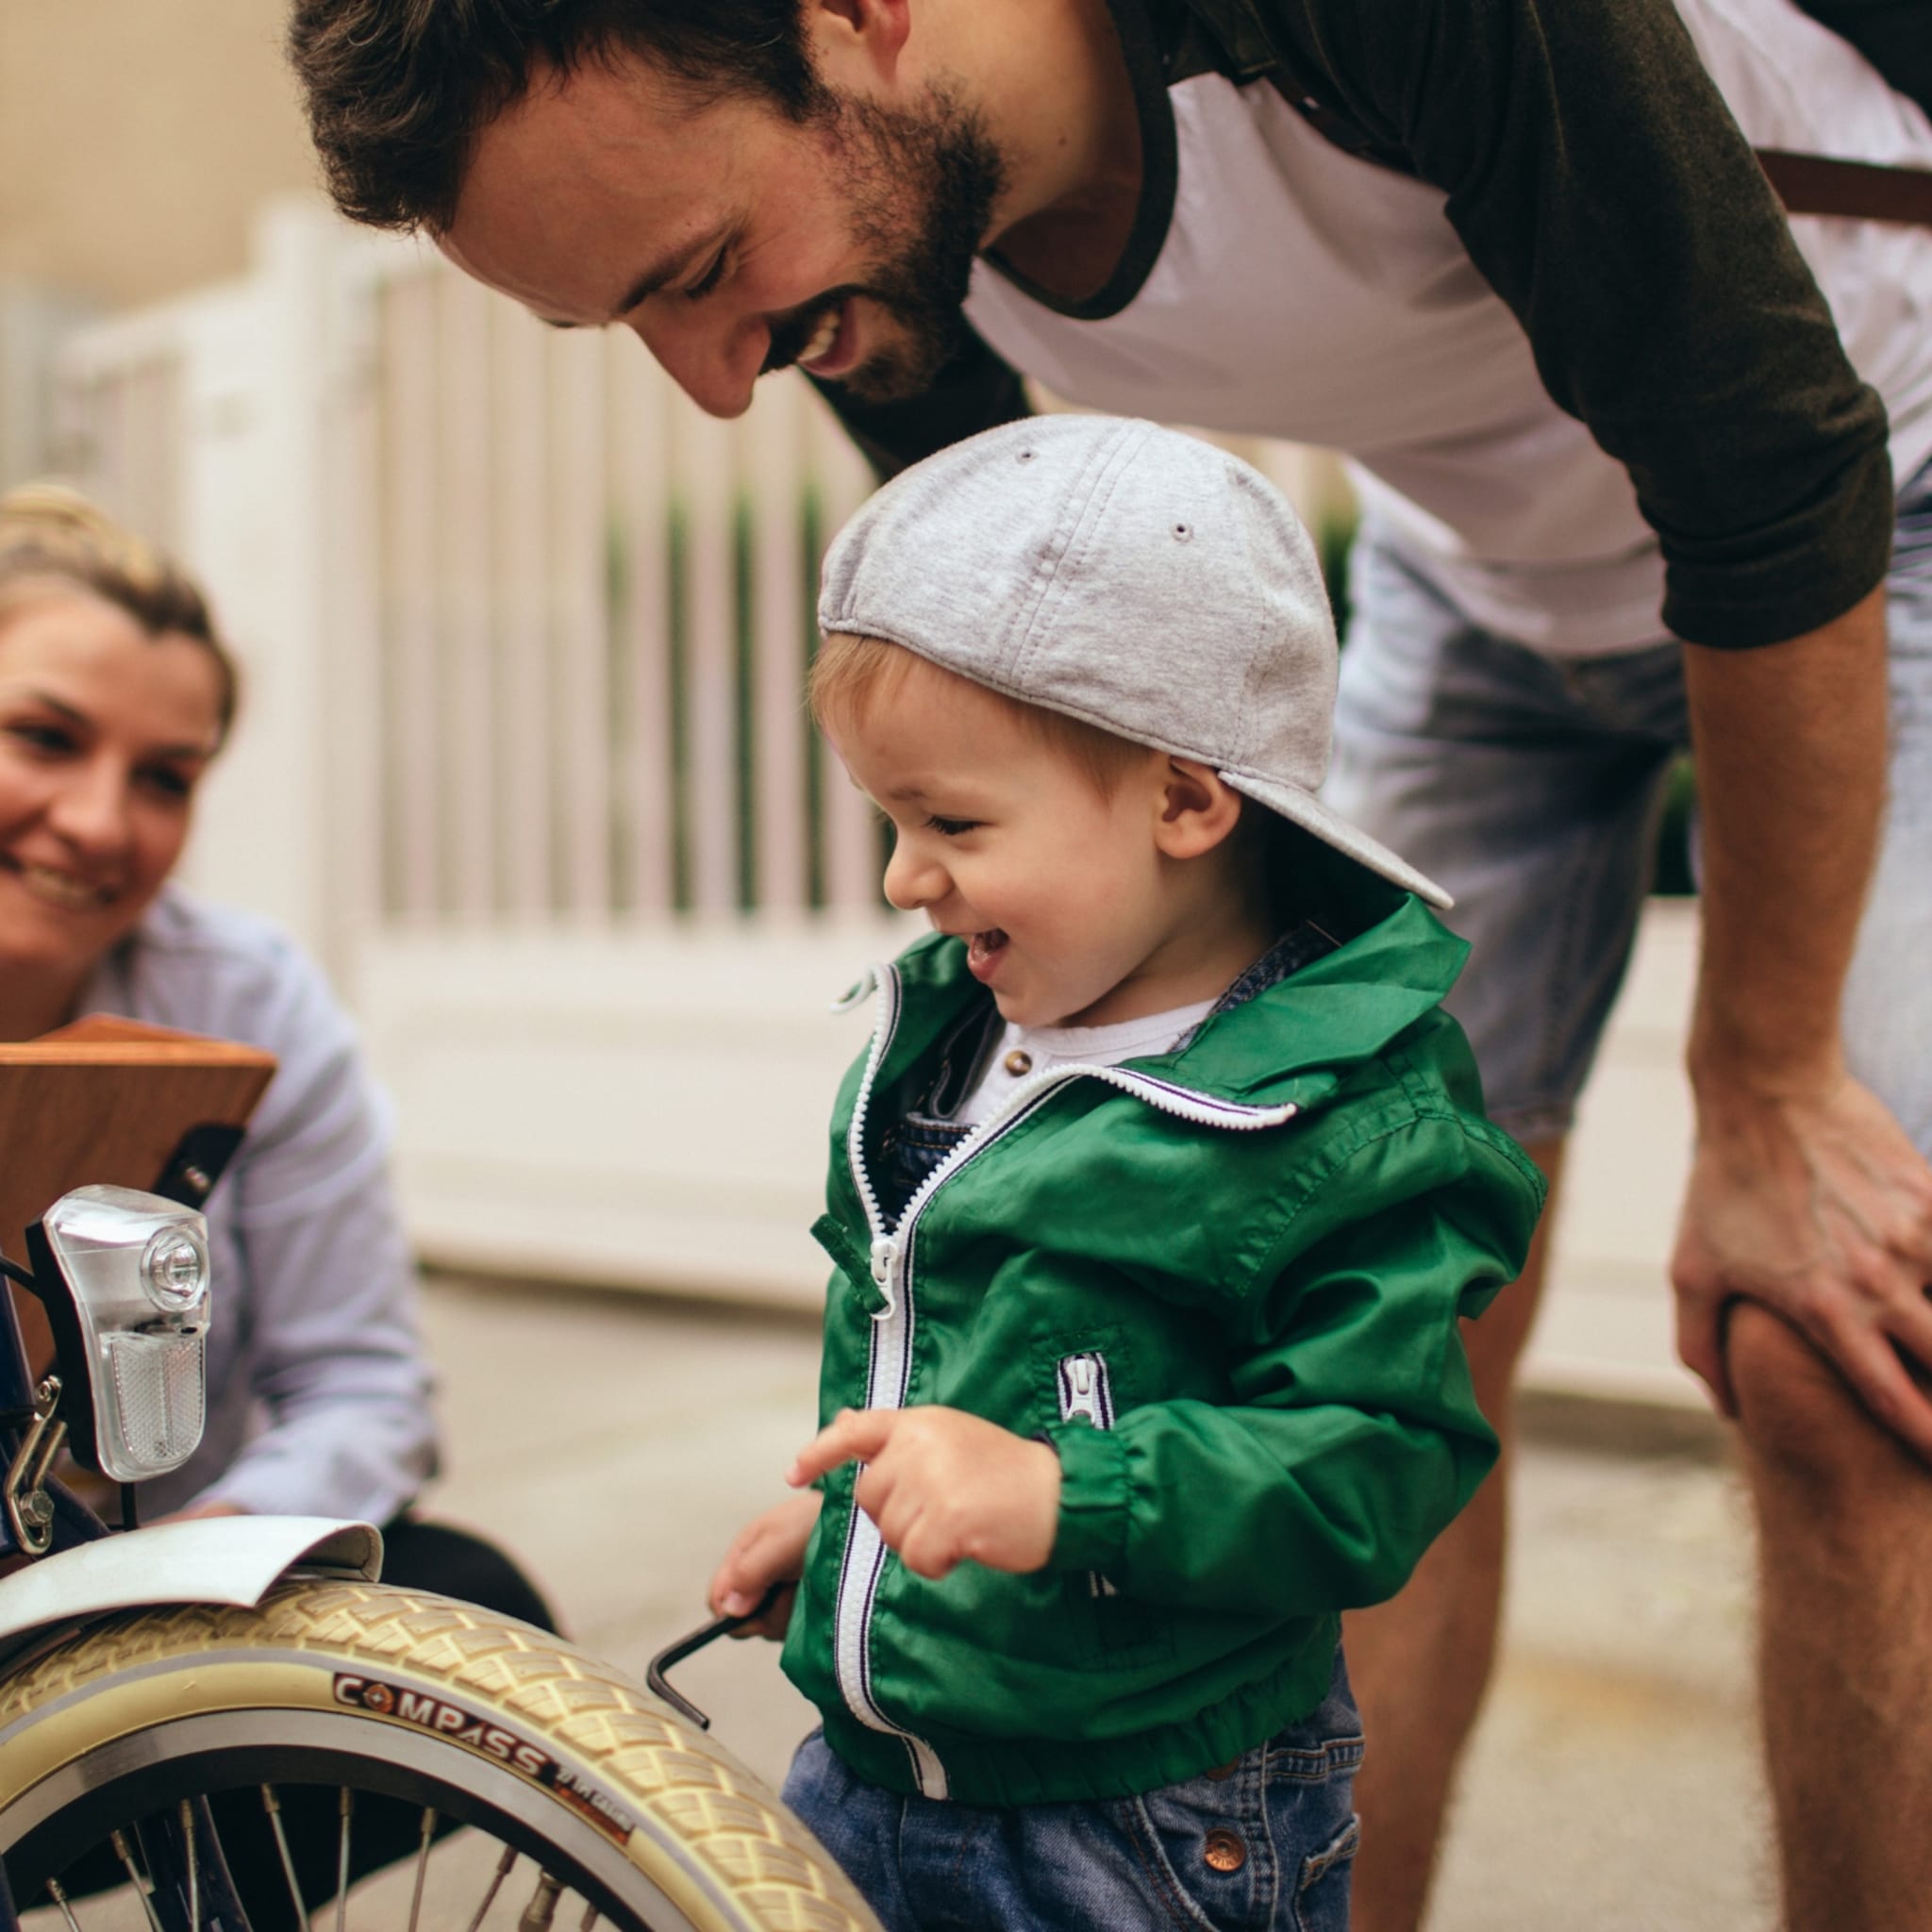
(430,1708)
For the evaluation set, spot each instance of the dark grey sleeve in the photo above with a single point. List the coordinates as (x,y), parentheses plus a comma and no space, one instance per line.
(1894,35)
(1601,186)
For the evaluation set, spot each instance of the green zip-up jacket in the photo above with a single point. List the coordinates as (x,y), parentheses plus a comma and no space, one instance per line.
(1224,1283)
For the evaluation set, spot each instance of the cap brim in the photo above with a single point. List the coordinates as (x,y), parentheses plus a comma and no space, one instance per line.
(1308,811)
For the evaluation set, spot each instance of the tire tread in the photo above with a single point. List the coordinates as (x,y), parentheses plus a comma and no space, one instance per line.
(778,1877)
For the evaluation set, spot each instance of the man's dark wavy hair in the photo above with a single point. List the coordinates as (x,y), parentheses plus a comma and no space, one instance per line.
(397,90)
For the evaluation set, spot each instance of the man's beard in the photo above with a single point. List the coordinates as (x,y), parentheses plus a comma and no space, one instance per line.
(920,188)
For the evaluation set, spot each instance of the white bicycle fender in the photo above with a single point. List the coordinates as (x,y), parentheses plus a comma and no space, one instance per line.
(216,1559)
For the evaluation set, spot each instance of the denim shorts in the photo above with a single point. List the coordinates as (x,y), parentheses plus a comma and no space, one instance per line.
(1265,1844)
(1531,787)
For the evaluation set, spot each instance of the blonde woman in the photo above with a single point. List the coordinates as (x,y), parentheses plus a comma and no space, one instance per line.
(116,695)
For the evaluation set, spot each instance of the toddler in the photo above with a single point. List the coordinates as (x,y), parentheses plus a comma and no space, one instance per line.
(1154,1202)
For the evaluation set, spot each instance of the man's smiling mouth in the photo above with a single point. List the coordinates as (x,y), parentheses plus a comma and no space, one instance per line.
(820,337)
(823,338)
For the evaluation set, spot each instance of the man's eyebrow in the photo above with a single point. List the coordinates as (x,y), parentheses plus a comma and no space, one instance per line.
(664,272)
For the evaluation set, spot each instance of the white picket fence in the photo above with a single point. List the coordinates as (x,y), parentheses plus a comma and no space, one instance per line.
(524,758)
(573,610)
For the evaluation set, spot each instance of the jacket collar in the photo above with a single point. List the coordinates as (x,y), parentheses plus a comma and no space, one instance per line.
(1290,1042)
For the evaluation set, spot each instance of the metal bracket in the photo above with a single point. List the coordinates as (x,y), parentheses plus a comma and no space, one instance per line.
(30,1507)
(196,1164)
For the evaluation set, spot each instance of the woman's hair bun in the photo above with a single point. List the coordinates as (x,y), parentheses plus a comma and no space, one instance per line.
(50,533)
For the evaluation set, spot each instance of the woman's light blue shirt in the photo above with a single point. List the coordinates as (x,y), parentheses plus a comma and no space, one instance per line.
(319,1394)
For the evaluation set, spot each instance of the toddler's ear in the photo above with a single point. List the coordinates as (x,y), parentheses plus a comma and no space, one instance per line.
(1198,810)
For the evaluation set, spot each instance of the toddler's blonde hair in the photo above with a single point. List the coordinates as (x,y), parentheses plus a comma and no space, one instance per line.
(852,675)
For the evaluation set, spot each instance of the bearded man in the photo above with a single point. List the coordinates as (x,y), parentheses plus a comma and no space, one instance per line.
(1629,483)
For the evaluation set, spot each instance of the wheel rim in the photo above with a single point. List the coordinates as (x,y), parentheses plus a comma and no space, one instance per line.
(147,1774)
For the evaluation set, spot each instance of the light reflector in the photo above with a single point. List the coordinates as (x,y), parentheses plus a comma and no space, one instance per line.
(135,1267)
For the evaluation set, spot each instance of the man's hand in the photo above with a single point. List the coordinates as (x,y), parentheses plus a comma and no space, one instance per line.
(769,1549)
(1821,1209)
(944,1487)
(1806,1195)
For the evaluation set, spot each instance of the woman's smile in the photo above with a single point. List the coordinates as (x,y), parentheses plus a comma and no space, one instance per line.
(105,729)
(56,886)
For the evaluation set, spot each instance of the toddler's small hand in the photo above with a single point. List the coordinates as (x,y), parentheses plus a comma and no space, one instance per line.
(769,1549)
(944,1486)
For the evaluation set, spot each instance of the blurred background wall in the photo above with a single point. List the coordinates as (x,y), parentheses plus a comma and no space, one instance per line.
(137,138)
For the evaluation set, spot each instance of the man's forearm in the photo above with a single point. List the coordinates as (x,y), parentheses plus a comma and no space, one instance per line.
(1790,745)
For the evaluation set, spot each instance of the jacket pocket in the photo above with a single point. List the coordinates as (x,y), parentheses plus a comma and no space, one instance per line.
(1087,1391)
(1129,1634)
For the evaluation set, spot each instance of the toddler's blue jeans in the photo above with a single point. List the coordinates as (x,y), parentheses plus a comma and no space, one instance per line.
(1261,1844)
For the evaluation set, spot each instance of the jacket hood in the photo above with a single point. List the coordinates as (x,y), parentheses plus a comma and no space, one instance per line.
(1334,1013)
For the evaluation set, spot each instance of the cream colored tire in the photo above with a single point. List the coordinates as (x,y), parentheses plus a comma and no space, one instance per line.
(417,1695)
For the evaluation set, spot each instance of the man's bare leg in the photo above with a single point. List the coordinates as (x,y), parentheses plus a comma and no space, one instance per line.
(1845,1525)
(1421,1663)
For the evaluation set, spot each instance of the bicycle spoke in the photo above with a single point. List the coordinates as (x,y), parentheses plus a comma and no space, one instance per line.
(348,1811)
(543,1907)
(59,1896)
(142,1889)
(589,1919)
(189,1851)
(273,1806)
(503,1865)
(422,1867)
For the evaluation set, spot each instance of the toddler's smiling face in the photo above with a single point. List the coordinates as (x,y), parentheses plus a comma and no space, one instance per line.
(1075,905)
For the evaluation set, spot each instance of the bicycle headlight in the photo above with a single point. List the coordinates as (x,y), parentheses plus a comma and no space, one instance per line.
(173,1269)
(133,1325)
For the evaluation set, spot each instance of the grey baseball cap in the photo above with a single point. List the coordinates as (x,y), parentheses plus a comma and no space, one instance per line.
(1128,575)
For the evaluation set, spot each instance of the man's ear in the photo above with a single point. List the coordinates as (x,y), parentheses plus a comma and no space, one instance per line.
(856,44)
(1199,809)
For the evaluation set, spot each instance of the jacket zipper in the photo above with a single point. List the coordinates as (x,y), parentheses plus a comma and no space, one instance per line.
(1085,1390)
(891,1355)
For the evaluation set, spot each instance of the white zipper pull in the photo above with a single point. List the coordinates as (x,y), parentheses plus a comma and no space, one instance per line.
(1084,1390)
(858,992)
(884,1270)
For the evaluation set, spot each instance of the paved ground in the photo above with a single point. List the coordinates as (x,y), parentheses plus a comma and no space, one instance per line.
(616,1443)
